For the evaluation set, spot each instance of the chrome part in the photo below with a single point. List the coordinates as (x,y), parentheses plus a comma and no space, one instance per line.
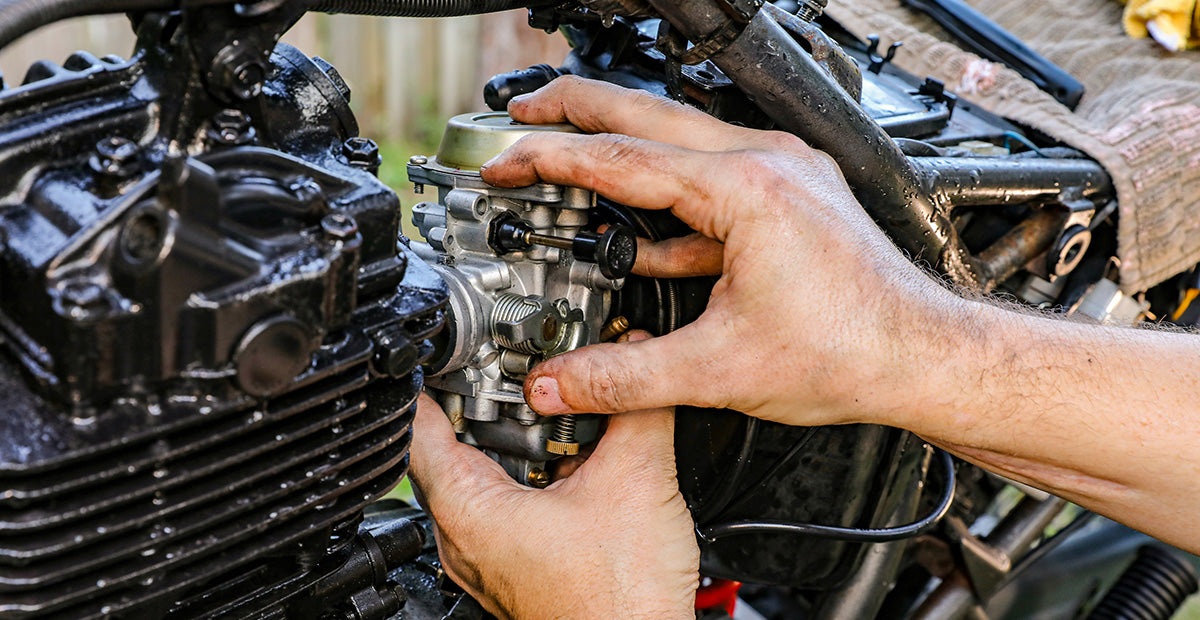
(512,307)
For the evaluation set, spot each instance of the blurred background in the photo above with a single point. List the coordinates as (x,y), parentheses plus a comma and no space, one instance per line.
(407,75)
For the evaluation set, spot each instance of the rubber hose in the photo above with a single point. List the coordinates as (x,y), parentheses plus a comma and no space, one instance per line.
(1154,587)
(20,17)
(419,8)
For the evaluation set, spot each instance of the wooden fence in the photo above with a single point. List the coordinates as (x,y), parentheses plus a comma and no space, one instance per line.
(407,75)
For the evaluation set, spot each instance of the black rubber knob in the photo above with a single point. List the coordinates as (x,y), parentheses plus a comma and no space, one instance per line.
(614,251)
(502,88)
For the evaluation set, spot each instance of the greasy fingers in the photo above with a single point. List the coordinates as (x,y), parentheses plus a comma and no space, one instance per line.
(631,376)
(631,171)
(601,107)
(679,257)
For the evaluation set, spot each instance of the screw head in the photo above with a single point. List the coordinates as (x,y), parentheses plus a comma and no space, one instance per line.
(418,160)
(339,227)
(538,478)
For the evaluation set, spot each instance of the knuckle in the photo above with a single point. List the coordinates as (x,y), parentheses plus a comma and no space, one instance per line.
(784,141)
(609,386)
(617,148)
(761,169)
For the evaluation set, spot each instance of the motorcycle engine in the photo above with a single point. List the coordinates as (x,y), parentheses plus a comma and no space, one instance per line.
(211,340)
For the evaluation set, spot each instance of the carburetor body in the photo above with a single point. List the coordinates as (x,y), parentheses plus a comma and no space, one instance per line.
(529,278)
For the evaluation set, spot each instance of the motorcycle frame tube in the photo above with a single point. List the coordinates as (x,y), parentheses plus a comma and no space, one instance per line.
(779,76)
(976,181)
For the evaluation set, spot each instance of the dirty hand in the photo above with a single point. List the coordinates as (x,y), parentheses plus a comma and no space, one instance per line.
(814,316)
(613,540)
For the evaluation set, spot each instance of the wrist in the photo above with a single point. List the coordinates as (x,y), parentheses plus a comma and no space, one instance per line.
(937,339)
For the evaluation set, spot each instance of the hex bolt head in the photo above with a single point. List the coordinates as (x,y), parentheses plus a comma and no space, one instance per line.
(361,153)
(395,354)
(339,227)
(115,158)
(231,127)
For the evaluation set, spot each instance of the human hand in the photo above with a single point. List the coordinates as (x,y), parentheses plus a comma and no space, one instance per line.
(613,540)
(814,316)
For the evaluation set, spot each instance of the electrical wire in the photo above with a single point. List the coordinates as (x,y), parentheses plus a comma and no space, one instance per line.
(867,535)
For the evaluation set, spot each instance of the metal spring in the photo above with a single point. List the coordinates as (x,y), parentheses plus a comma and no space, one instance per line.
(512,308)
(811,9)
(564,428)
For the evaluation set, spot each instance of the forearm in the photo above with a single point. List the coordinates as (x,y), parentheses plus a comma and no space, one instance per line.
(1106,417)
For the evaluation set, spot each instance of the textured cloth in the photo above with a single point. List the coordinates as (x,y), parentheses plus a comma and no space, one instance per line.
(1140,117)
(1175,24)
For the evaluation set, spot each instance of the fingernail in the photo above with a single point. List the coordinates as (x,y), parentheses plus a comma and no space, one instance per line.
(520,98)
(544,396)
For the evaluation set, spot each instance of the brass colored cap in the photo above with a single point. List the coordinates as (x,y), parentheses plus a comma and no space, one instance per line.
(560,448)
(472,139)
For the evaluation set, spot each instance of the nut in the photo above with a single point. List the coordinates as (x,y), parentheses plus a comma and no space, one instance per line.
(361,153)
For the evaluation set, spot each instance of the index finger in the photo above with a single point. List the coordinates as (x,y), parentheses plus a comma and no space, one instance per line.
(601,107)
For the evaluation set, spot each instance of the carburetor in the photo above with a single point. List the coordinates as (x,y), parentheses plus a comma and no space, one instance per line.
(530,277)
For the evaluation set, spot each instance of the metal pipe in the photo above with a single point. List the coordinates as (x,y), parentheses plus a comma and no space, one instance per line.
(775,72)
(954,598)
(1025,242)
(969,181)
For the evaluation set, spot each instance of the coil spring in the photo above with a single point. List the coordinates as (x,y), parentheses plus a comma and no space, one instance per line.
(564,428)
(811,9)
(1152,588)
(512,308)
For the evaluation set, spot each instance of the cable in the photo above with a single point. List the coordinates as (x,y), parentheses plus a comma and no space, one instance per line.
(419,8)
(20,17)
(713,532)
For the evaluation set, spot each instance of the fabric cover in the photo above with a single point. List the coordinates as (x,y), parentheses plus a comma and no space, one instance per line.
(1140,117)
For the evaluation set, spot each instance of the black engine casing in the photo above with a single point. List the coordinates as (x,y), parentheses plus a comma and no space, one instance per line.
(210,339)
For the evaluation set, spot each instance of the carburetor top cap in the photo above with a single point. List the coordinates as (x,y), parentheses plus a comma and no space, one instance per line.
(472,139)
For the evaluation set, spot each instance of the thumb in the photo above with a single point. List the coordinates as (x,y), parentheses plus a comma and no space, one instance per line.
(615,378)
(444,469)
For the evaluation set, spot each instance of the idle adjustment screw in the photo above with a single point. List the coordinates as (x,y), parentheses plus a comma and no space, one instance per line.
(563,442)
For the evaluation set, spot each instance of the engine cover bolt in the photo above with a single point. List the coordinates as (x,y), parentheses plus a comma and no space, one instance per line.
(362,153)
(231,127)
(395,354)
(115,158)
(339,227)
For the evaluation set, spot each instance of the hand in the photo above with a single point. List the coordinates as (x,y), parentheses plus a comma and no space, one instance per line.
(813,317)
(613,540)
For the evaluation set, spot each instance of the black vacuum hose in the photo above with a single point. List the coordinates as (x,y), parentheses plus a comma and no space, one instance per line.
(418,8)
(20,17)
